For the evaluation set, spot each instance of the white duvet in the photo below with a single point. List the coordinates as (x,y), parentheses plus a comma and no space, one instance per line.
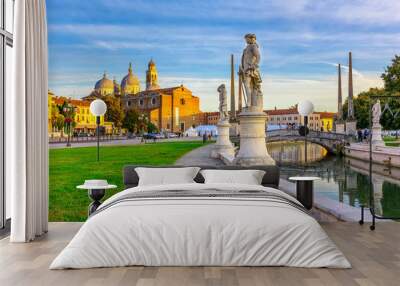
(200,231)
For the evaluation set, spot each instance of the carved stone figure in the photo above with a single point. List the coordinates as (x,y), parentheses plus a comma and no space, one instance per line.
(223,103)
(376,112)
(250,73)
(376,130)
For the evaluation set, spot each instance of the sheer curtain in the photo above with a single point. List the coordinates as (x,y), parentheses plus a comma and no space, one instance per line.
(27,141)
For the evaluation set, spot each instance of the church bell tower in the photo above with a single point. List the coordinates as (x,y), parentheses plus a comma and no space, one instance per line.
(152,76)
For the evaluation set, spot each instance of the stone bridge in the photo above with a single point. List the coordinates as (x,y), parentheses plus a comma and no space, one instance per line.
(333,142)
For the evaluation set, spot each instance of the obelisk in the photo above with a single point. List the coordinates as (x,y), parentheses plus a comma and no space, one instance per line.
(233,103)
(351,123)
(339,124)
(350,109)
(340,106)
(240,95)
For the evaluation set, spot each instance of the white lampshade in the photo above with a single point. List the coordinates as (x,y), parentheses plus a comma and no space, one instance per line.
(305,108)
(98,107)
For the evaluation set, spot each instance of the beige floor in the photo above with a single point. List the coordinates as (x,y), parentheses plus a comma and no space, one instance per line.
(375,257)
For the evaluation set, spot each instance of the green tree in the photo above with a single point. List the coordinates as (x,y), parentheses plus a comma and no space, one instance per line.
(391,76)
(67,110)
(131,121)
(151,128)
(362,106)
(54,113)
(114,112)
(59,123)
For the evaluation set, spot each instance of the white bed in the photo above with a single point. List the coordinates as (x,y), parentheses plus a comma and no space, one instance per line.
(201,231)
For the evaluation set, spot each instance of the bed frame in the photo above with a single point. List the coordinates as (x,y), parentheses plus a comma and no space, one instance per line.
(270,179)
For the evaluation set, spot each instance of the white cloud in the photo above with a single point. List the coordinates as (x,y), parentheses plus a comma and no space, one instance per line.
(376,12)
(322,91)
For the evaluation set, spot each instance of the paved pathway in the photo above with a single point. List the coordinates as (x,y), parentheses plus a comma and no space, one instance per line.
(199,157)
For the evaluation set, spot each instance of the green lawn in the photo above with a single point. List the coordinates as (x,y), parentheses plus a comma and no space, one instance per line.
(392,144)
(70,167)
(391,141)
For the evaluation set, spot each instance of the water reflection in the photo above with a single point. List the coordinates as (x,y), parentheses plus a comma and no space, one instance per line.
(343,179)
(287,152)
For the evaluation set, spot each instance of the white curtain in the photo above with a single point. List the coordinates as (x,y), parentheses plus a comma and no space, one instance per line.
(27,141)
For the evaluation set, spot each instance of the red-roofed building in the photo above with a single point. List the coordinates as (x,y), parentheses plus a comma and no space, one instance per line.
(290,117)
(326,119)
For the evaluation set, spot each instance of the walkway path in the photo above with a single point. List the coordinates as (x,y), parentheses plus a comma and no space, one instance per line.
(199,157)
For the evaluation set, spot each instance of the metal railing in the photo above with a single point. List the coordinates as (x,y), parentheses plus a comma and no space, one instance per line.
(311,134)
(76,139)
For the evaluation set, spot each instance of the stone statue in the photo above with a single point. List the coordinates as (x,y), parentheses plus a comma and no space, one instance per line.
(250,73)
(223,104)
(376,112)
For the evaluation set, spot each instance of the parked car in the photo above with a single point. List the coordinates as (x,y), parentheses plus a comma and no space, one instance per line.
(81,134)
(172,135)
(153,136)
(131,135)
(149,136)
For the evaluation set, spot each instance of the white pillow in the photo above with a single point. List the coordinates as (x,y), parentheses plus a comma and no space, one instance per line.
(166,176)
(248,177)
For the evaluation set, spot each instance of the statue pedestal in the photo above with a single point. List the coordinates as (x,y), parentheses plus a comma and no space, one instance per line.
(340,127)
(253,150)
(234,129)
(378,194)
(351,127)
(223,145)
(377,135)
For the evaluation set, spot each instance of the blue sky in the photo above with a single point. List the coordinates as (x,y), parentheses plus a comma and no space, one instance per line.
(190,41)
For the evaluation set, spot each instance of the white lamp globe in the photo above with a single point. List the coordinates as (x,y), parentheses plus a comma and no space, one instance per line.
(98,107)
(305,108)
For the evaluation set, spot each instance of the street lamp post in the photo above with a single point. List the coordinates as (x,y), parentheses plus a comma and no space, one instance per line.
(68,111)
(98,108)
(305,108)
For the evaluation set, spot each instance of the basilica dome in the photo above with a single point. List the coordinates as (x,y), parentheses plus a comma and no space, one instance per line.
(104,86)
(130,84)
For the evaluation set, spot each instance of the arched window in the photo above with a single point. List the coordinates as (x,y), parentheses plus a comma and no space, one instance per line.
(153,101)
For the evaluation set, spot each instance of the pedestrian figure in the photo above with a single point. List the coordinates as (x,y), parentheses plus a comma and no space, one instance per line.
(359,135)
(366,134)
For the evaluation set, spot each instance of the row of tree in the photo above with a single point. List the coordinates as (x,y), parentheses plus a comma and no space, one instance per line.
(63,117)
(390,119)
(132,120)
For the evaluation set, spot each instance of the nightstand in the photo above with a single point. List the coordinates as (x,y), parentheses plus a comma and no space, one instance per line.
(96,191)
(305,190)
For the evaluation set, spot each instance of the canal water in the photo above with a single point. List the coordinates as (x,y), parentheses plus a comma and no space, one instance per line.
(342,179)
